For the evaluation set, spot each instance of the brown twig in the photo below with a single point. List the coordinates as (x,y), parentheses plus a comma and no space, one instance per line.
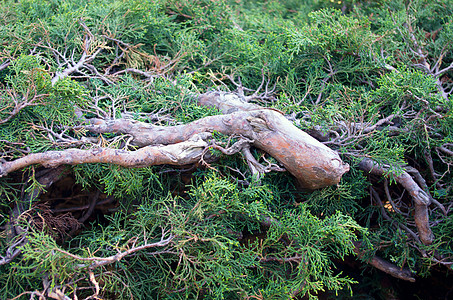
(421,198)
(85,58)
(29,98)
(177,154)
(385,266)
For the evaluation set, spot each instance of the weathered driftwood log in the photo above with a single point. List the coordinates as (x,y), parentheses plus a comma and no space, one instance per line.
(312,163)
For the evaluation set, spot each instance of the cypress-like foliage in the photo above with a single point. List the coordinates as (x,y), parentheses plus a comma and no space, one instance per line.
(371,81)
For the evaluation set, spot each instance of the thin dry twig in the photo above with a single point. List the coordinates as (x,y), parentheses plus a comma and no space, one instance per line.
(101,261)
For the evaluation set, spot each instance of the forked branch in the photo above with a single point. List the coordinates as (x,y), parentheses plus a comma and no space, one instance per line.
(312,163)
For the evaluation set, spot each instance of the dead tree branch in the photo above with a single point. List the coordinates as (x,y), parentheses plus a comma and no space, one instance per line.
(183,153)
(420,197)
(29,98)
(385,266)
(84,60)
(101,261)
(312,163)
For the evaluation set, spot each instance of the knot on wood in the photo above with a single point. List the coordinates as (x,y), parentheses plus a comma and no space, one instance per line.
(258,124)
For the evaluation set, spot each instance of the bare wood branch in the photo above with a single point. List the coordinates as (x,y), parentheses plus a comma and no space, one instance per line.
(312,163)
(147,75)
(444,70)
(5,64)
(177,154)
(385,266)
(13,251)
(96,286)
(70,70)
(386,120)
(445,150)
(84,59)
(30,98)
(421,181)
(420,197)
(387,217)
(101,261)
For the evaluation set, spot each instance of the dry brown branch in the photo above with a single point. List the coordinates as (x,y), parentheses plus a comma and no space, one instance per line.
(386,120)
(32,295)
(13,250)
(183,153)
(5,64)
(445,150)
(29,98)
(96,286)
(385,266)
(378,201)
(85,58)
(420,197)
(57,294)
(422,182)
(389,268)
(312,163)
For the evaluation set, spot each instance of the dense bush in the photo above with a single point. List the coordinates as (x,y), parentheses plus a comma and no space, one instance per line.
(369,79)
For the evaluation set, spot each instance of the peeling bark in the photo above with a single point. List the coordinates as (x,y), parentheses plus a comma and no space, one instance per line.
(311,162)
(183,153)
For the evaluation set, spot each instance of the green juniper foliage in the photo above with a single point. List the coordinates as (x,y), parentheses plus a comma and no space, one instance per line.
(369,79)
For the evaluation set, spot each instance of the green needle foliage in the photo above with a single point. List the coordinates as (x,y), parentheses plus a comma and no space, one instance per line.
(206,257)
(370,79)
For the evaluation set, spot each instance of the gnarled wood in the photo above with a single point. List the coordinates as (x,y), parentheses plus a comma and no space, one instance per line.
(183,153)
(311,162)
